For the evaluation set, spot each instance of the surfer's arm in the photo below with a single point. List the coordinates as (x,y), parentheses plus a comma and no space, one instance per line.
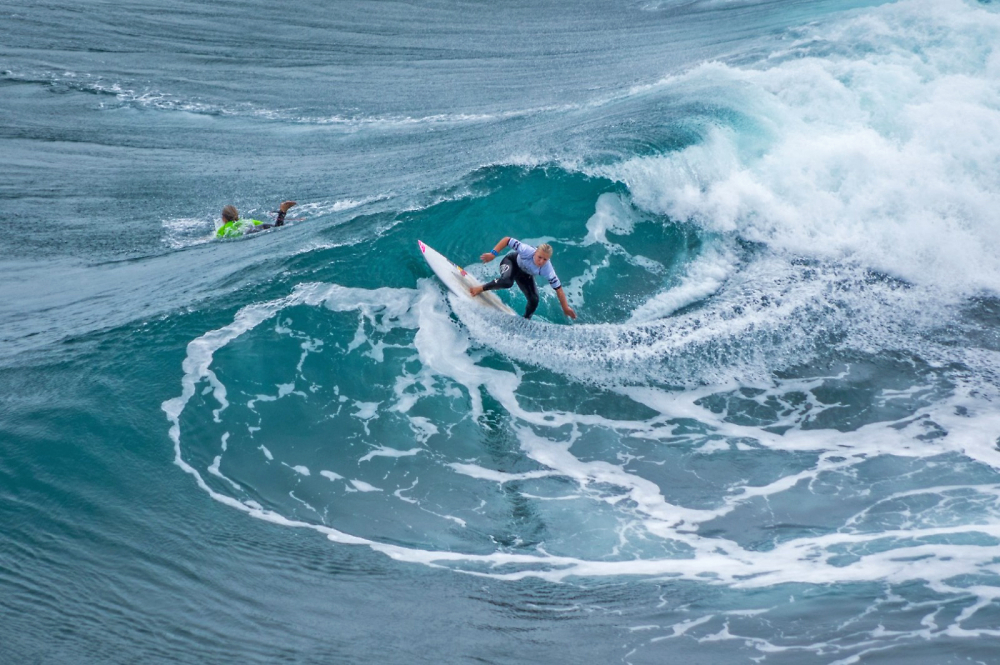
(567,310)
(489,256)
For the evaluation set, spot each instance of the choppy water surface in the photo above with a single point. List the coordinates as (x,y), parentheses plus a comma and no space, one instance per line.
(772,435)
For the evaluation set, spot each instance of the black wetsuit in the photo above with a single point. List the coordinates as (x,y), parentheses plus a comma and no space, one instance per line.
(510,272)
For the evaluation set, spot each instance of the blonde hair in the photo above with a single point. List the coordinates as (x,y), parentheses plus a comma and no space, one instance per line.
(545,248)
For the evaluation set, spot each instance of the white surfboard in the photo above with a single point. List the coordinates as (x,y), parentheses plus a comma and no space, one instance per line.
(459,281)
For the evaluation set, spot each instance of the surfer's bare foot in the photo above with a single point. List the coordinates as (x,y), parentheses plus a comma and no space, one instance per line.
(475,290)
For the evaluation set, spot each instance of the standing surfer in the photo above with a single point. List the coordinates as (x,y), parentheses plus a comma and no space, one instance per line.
(233,226)
(521,265)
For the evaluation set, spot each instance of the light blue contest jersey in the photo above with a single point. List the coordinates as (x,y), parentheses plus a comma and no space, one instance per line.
(525,261)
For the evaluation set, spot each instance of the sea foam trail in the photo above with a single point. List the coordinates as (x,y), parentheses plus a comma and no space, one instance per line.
(924,551)
(869,140)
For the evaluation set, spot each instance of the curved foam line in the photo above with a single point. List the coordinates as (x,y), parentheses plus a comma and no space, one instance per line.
(799,560)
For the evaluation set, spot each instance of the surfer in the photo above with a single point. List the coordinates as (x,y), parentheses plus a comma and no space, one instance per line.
(233,226)
(521,265)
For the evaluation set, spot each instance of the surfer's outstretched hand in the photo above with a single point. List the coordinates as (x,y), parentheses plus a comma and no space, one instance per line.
(486,258)
(570,312)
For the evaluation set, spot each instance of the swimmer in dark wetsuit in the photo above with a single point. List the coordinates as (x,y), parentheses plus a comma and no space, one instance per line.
(521,266)
(233,226)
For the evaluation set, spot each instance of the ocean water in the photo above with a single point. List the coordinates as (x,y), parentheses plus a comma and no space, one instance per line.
(771,436)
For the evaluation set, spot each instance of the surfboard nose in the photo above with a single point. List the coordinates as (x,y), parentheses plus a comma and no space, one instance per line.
(423,247)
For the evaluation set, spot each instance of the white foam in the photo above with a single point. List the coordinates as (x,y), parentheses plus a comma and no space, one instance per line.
(304,503)
(383,451)
(612,214)
(644,493)
(442,346)
(252,404)
(574,288)
(366,410)
(214,470)
(399,493)
(876,150)
(476,471)
(423,428)
(705,276)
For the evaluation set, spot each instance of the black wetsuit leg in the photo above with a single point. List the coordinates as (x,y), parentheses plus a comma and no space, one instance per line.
(510,272)
(263,227)
(530,291)
(506,279)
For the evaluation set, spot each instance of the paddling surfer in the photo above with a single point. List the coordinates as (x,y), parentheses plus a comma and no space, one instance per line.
(520,266)
(233,226)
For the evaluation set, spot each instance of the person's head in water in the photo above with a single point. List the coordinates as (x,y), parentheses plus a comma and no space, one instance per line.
(542,254)
(230,214)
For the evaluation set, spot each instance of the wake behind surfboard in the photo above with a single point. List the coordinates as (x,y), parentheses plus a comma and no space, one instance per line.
(459,281)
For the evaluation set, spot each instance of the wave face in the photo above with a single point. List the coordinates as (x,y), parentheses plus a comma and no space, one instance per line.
(772,434)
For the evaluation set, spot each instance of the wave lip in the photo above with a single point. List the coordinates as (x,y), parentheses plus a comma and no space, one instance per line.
(865,141)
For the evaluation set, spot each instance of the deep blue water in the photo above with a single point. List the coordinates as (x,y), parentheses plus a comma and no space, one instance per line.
(772,435)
